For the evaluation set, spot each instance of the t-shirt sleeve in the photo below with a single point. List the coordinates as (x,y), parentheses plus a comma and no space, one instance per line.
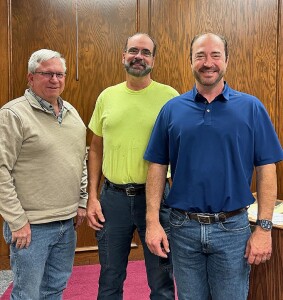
(95,123)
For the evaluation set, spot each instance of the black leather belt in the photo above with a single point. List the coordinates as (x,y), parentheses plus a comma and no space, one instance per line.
(205,218)
(130,189)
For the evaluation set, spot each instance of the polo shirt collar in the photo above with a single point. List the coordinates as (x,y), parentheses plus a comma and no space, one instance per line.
(224,96)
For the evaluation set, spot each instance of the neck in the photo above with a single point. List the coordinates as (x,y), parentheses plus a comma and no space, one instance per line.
(53,101)
(210,92)
(137,83)
(56,108)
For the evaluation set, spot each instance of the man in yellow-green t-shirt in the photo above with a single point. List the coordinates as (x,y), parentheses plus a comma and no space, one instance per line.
(121,124)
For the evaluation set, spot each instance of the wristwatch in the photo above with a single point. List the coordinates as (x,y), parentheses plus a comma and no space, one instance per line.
(264,224)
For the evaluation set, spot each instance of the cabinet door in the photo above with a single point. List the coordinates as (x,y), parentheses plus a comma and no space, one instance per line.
(89,33)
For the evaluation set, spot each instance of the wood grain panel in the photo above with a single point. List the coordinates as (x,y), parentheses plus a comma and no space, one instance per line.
(4,97)
(251,30)
(102,28)
(266,279)
(279,102)
(4,50)
(143,16)
(40,24)
(4,250)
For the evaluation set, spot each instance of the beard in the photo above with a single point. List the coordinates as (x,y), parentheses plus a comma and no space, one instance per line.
(208,81)
(137,72)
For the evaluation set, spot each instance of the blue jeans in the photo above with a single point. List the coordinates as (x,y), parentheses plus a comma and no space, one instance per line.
(208,259)
(123,214)
(41,271)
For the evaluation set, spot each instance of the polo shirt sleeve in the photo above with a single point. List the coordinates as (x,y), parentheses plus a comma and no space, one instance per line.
(158,146)
(267,146)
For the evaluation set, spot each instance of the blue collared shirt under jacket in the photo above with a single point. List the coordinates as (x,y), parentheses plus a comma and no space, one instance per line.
(213,148)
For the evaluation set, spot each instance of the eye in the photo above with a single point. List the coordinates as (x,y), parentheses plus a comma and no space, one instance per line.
(216,55)
(60,75)
(199,56)
(136,51)
(146,52)
(133,51)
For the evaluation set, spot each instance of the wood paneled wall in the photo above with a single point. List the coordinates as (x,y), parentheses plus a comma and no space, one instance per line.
(91,35)
(278,120)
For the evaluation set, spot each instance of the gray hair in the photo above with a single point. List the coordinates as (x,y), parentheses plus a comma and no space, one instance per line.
(42,55)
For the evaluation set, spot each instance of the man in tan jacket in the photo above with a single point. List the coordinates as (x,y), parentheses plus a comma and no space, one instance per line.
(42,180)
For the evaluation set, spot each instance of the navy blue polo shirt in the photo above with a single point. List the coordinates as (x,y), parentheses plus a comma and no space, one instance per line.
(212,149)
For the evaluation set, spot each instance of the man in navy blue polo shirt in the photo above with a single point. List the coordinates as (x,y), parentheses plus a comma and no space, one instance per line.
(213,137)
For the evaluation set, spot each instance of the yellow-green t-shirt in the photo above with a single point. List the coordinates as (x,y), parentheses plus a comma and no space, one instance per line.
(125,118)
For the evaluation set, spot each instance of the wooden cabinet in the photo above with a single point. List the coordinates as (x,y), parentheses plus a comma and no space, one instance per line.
(4,250)
(266,280)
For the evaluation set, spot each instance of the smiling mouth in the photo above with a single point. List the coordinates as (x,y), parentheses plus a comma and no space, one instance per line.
(208,70)
(137,62)
(138,65)
(208,73)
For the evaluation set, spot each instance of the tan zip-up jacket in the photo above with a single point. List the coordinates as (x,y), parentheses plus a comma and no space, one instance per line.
(42,163)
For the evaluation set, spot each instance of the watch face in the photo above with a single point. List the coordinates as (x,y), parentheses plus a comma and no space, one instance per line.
(265,224)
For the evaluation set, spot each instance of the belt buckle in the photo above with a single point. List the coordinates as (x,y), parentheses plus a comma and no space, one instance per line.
(203,219)
(130,191)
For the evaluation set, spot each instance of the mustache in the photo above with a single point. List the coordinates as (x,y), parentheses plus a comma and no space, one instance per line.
(137,60)
(203,69)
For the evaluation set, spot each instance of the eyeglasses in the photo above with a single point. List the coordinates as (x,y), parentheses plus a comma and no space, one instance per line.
(50,75)
(136,51)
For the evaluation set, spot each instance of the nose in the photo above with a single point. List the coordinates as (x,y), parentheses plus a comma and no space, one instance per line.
(208,62)
(53,77)
(139,54)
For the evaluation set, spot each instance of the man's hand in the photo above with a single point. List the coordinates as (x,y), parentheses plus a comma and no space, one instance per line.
(259,246)
(22,237)
(81,214)
(156,240)
(94,214)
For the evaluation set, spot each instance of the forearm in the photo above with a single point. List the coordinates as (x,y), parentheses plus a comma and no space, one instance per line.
(95,167)
(266,182)
(259,245)
(10,206)
(156,238)
(154,191)
(94,211)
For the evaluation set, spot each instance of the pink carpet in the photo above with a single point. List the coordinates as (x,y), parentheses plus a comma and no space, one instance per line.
(83,283)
